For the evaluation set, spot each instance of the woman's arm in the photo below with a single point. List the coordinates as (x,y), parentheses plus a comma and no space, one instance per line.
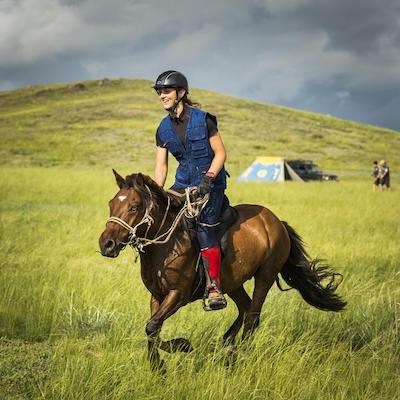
(219,153)
(161,170)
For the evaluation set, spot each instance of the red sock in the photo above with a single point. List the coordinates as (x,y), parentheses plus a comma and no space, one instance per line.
(213,256)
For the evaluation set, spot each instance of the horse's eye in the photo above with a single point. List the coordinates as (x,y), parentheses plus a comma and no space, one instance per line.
(133,209)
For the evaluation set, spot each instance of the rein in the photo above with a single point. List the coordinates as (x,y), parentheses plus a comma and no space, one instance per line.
(190,209)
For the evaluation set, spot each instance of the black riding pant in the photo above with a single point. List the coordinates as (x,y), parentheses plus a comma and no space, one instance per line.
(206,232)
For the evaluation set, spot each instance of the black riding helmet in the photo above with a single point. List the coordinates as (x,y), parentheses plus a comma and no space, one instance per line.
(171,79)
(175,80)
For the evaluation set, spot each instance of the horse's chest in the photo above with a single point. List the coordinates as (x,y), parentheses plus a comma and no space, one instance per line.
(154,280)
(166,271)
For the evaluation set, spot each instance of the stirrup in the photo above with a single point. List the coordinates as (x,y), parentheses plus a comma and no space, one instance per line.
(213,299)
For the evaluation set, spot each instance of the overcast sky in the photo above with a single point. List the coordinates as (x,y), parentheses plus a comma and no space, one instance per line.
(338,57)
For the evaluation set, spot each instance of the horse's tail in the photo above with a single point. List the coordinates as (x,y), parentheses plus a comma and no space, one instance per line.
(306,275)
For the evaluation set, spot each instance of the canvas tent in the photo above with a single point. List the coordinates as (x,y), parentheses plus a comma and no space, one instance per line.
(269,169)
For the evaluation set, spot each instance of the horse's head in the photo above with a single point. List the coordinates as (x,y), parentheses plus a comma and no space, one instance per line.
(129,206)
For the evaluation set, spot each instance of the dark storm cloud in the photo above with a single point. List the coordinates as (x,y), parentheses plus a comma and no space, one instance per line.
(357,26)
(323,55)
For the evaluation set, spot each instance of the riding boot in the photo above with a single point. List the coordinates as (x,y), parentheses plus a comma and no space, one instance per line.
(212,261)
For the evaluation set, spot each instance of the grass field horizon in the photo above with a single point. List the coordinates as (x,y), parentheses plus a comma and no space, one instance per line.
(72,322)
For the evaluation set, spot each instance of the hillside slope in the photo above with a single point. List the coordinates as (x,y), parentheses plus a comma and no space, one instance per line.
(112,123)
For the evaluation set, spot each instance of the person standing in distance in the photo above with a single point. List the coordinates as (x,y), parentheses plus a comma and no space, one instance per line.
(384,175)
(375,174)
(191,136)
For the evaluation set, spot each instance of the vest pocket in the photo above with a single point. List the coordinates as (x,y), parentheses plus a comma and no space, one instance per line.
(199,149)
(174,149)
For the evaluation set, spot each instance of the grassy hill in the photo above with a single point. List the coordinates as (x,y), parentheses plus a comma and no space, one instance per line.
(72,322)
(112,123)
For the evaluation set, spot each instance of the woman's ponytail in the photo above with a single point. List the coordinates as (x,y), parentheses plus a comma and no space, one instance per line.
(186,100)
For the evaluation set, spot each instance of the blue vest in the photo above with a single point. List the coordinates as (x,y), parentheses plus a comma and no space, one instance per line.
(195,155)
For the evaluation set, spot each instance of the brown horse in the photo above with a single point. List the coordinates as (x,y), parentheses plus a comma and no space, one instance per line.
(259,246)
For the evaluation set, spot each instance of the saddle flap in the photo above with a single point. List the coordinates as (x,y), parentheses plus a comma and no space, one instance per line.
(228,217)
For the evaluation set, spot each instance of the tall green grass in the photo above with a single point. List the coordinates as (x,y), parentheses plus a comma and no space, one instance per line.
(72,322)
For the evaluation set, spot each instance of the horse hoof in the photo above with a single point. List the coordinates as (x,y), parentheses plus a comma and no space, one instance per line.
(182,344)
(231,355)
(179,344)
(159,367)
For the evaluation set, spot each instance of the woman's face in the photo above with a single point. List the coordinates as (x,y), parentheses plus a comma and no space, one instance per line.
(167,97)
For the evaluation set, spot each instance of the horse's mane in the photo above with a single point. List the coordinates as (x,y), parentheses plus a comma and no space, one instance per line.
(157,196)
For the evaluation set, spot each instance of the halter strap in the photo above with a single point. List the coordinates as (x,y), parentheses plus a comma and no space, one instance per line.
(189,209)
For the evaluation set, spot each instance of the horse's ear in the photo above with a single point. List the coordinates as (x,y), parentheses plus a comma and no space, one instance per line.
(140,181)
(120,180)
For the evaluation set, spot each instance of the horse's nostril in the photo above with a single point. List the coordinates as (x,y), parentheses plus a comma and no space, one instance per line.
(110,244)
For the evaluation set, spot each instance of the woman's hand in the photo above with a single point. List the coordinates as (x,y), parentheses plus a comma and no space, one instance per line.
(204,186)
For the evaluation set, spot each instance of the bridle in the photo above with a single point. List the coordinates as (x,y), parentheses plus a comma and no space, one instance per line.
(190,209)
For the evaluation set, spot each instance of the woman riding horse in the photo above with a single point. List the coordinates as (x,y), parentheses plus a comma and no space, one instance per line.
(192,137)
(259,245)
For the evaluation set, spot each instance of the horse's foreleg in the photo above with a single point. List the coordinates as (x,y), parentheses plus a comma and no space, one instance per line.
(153,339)
(173,345)
(159,313)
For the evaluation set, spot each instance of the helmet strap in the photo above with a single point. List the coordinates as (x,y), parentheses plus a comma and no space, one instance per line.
(172,110)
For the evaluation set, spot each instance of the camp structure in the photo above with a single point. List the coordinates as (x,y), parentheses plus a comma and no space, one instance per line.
(269,169)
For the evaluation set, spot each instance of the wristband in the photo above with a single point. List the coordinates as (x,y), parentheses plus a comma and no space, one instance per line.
(210,174)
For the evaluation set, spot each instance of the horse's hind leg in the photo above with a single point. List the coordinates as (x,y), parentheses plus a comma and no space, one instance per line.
(264,279)
(242,301)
